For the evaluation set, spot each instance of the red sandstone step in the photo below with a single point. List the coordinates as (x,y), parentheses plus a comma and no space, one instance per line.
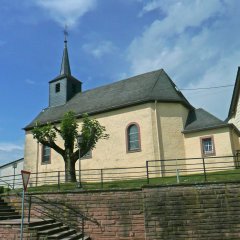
(10,217)
(45,226)
(53,231)
(62,234)
(41,222)
(7,213)
(3,204)
(76,237)
(4,209)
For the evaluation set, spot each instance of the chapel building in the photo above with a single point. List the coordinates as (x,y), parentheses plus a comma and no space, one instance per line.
(146,116)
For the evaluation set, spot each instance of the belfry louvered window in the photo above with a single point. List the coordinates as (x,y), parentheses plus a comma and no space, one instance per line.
(133,137)
(57,87)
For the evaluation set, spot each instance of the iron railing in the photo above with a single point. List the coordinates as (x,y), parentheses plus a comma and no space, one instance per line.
(155,171)
(208,168)
(96,178)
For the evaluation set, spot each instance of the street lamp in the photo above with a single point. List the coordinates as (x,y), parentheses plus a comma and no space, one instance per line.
(14,173)
(79,141)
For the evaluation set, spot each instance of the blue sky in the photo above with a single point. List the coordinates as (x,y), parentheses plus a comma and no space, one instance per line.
(196,42)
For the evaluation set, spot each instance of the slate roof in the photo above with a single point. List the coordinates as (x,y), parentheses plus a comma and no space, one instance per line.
(11,163)
(199,119)
(235,96)
(151,86)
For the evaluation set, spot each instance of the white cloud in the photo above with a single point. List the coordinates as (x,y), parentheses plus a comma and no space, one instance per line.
(196,43)
(9,147)
(29,81)
(99,49)
(150,6)
(10,152)
(66,12)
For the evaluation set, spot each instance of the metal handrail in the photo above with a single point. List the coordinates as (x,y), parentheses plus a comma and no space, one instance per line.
(9,185)
(58,204)
(47,211)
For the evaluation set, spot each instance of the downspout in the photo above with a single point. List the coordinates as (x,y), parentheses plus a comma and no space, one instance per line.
(37,163)
(158,140)
(157,127)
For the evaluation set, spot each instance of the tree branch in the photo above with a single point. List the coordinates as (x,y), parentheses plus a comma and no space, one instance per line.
(76,154)
(57,130)
(57,148)
(53,145)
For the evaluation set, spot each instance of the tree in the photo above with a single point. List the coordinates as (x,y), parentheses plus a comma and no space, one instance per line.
(91,132)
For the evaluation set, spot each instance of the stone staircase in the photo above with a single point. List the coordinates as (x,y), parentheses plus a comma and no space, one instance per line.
(45,229)
(7,212)
(50,229)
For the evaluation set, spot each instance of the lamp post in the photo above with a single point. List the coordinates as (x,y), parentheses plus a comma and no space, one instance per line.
(79,141)
(14,173)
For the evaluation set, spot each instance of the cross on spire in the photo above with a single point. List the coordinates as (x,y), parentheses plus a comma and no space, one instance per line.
(65,32)
(65,66)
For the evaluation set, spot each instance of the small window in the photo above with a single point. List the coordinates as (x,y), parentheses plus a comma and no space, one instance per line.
(57,87)
(133,138)
(207,146)
(46,154)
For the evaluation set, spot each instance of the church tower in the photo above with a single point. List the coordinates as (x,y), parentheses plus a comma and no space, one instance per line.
(65,86)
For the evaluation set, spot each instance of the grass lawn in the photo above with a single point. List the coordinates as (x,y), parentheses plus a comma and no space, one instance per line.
(221,176)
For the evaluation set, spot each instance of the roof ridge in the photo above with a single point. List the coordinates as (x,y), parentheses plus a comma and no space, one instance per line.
(120,81)
(154,85)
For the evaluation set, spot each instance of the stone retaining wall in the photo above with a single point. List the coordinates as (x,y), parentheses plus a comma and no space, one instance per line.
(209,211)
(12,232)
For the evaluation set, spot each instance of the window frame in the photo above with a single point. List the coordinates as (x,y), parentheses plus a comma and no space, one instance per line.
(127,138)
(213,153)
(42,156)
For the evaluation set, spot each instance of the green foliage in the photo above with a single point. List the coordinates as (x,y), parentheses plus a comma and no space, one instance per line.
(1,189)
(44,133)
(68,127)
(92,131)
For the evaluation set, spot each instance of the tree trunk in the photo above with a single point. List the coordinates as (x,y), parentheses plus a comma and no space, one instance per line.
(70,173)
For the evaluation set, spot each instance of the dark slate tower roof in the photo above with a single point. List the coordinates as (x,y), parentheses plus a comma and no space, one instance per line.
(65,66)
(147,87)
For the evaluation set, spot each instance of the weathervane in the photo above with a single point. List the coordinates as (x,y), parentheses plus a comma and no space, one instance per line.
(65,33)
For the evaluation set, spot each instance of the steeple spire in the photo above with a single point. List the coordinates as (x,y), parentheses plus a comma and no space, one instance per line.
(65,66)
(63,87)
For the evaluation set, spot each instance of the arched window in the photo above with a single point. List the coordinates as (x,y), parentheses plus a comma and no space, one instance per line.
(133,137)
(46,154)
